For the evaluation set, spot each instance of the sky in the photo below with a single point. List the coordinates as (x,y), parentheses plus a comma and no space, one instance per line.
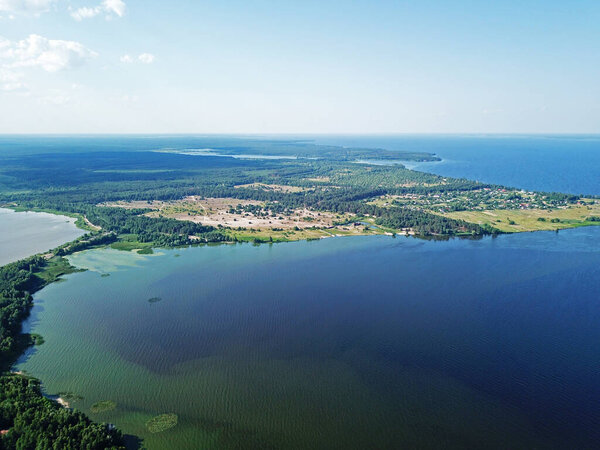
(193,66)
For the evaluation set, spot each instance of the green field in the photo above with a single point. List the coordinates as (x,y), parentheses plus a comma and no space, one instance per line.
(514,221)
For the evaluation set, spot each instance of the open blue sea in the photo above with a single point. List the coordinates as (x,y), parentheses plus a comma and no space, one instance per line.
(560,163)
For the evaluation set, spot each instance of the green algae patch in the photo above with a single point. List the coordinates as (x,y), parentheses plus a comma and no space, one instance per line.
(154,300)
(37,339)
(128,246)
(161,423)
(70,397)
(103,406)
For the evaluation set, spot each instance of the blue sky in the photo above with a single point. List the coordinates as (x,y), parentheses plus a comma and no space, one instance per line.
(125,66)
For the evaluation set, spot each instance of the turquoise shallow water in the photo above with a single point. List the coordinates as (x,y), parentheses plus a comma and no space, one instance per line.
(369,342)
(24,234)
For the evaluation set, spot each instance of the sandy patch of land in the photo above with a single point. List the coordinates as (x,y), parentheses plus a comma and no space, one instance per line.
(62,402)
(273,187)
(136,204)
(91,225)
(319,179)
(235,213)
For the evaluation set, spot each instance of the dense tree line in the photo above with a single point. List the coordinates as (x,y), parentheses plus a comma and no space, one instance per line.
(90,240)
(162,231)
(560,197)
(428,224)
(32,421)
(16,281)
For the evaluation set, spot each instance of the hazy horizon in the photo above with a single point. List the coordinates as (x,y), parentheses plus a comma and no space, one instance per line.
(304,134)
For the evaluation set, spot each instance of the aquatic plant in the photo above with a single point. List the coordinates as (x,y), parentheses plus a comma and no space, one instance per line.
(70,396)
(161,423)
(36,339)
(103,406)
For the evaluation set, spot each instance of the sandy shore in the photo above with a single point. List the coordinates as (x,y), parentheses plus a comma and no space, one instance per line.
(61,401)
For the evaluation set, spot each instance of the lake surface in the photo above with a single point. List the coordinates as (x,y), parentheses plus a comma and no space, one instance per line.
(365,342)
(368,342)
(24,234)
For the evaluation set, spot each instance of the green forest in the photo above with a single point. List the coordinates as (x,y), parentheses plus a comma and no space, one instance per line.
(82,183)
(35,422)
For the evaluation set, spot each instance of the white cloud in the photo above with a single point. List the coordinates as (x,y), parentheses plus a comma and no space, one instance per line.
(13,87)
(85,13)
(56,98)
(49,54)
(146,58)
(111,8)
(25,6)
(11,81)
(116,7)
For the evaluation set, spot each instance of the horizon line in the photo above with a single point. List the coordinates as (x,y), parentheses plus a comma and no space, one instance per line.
(201,134)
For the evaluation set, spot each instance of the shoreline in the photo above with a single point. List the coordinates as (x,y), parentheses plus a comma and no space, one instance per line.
(262,236)
(62,402)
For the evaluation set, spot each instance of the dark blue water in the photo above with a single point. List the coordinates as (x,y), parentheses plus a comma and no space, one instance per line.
(353,343)
(569,163)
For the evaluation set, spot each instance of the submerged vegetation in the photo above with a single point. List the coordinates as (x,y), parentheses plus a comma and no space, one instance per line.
(161,423)
(37,339)
(103,406)
(70,397)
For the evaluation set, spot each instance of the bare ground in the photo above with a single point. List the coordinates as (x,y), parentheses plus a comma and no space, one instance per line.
(217,211)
